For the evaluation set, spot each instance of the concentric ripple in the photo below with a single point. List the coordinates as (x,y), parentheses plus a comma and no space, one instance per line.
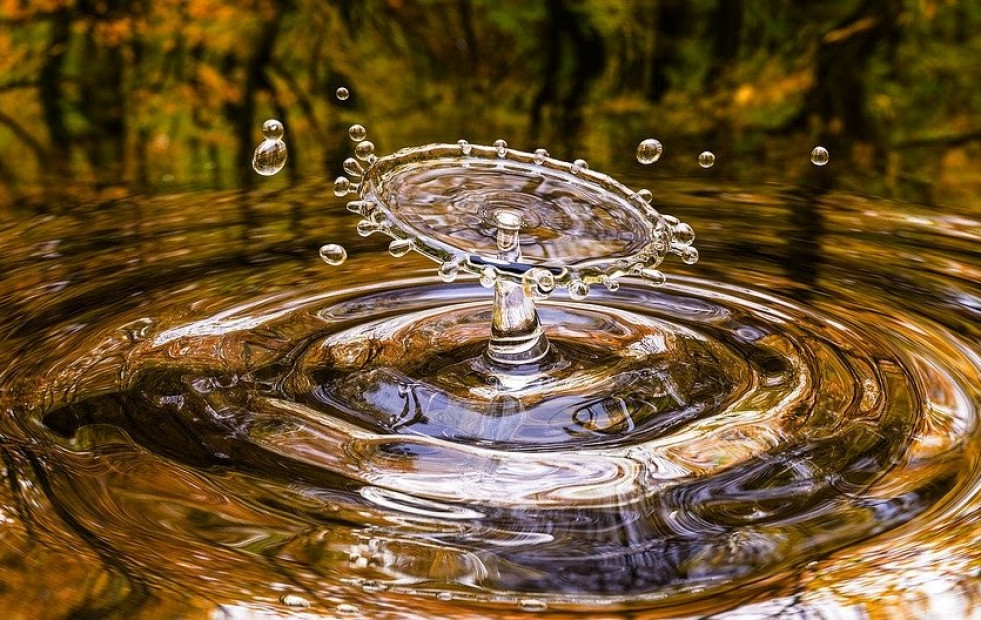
(686,450)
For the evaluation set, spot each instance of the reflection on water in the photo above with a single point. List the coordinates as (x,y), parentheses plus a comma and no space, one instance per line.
(191,420)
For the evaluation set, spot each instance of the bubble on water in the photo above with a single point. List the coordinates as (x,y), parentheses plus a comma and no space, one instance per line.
(364,150)
(294,600)
(653,276)
(400,247)
(689,255)
(532,604)
(352,166)
(706,159)
(465,147)
(333,254)
(820,156)
(342,93)
(645,195)
(342,186)
(272,129)
(649,151)
(348,609)
(357,132)
(579,164)
(448,271)
(488,276)
(269,157)
(578,290)
(502,147)
(540,156)
(682,235)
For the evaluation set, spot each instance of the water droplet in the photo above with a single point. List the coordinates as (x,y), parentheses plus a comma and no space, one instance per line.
(532,604)
(294,600)
(465,147)
(488,276)
(333,254)
(689,255)
(352,166)
(367,227)
(820,156)
(502,147)
(645,195)
(445,596)
(448,271)
(361,207)
(579,164)
(706,159)
(649,151)
(539,282)
(348,609)
(357,132)
(342,93)
(653,276)
(611,284)
(400,247)
(342,186)
(540,156)
(272,129)
(269,157)
(364,150)
(578,290)
(682,235)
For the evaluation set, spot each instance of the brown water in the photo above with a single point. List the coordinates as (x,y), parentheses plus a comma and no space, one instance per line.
(190,421)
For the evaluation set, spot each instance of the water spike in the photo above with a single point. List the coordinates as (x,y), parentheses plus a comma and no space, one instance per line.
(367,227)
(448,270)
(400,247)
(353,167)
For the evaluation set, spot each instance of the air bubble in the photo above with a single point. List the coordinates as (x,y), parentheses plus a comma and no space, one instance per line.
(448,271)
(364,150)
(357,132)
(820,156)
(502,147)
(333,254)
(342,186)
(578,290)
(342,93)
(706,159)
(272,129)
(579,164)
(352,166)
(465,147)
(649,151)
(269,157)
(689,255)
(540,156)
(400,247)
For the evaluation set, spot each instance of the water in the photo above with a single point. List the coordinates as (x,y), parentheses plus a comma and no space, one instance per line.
(271,154)
(649,151)
(706,159)
(189,426)
(820,156)
(342,93)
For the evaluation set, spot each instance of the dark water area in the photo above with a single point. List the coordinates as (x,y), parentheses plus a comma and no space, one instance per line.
(173,443)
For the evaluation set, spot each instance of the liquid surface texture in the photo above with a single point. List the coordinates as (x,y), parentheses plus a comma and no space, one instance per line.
(203,419)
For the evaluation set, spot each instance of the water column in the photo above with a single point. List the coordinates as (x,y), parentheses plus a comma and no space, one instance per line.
(517,336)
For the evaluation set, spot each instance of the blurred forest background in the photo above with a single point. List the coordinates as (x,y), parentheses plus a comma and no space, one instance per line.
(103,97)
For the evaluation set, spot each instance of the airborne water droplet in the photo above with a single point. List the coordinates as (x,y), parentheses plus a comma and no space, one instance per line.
(820,156)
(689,255)
(706,159)
(272,129)
(649,151)
(357,132)
(683,235)
(342,93)
(269,157)
(364,150)
(333,254)
(342,186)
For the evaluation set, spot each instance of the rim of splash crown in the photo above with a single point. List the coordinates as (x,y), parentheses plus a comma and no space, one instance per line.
(667,234)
